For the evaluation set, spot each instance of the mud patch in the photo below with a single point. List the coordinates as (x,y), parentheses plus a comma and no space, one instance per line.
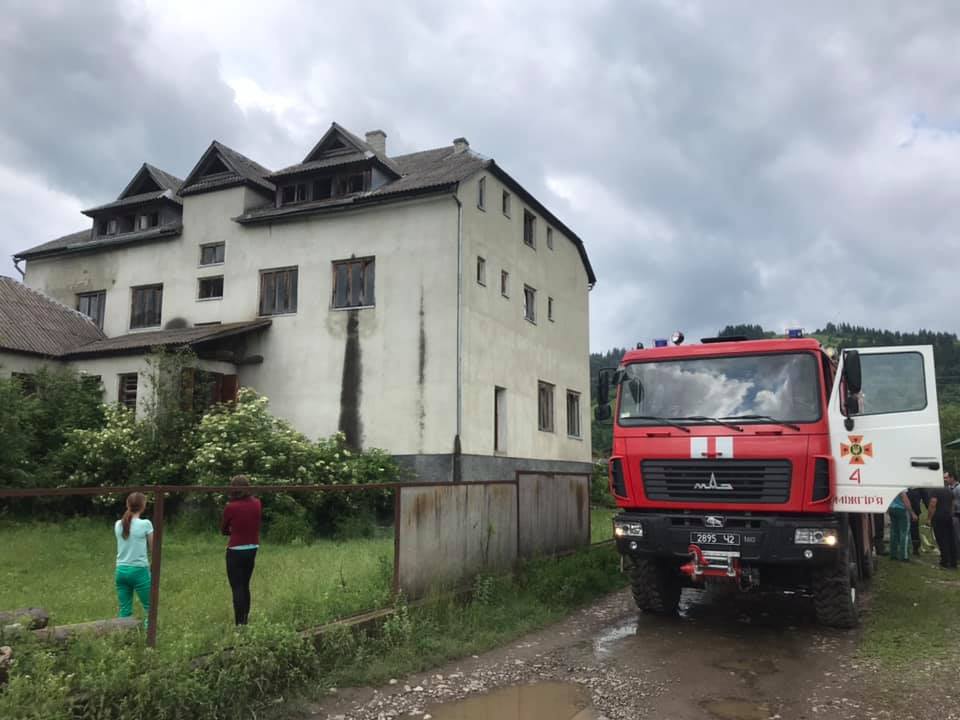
(541,701)
(735,709)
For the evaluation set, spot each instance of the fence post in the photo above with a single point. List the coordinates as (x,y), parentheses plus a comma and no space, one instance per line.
(155,558)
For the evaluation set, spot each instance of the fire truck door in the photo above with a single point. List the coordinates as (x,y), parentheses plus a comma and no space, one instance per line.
(886,438)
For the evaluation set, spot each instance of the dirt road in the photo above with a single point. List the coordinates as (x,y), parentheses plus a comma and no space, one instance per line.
(723,659)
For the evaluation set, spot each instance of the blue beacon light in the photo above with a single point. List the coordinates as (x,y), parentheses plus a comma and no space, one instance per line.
(660,343)
(795,333)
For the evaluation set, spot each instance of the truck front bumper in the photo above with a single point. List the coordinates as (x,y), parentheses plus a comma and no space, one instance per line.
(752,539)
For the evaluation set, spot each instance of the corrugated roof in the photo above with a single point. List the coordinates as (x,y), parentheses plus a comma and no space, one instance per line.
(142,341)
(166,194)
(35,324)
(242,169)
(85,240)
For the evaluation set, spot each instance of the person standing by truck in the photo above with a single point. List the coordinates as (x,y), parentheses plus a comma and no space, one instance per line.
(918,497)
(901,514)
(940,514)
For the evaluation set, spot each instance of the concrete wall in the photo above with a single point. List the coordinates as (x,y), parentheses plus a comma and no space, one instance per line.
(449,533)
(495,329)
(18,363)
(554,513)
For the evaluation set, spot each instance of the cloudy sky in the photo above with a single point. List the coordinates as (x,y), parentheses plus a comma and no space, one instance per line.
(724,162)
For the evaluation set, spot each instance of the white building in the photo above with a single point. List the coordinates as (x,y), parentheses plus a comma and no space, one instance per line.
(424,303)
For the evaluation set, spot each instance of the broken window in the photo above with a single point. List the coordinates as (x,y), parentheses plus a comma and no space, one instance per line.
(545,406)
(550,309)
(529,303)
(573,413)
(353,283)
(212,254)
(110,227)
(146,306)
(550,238)
(127,390)
(128,223)
(506,203)
(482,193)
(278,291)
(210,288)
(481,271)
(301,194)
(505,283)
(322,188)
(529,229)
(288,194)
(349,184)
(149,220)
(92,305)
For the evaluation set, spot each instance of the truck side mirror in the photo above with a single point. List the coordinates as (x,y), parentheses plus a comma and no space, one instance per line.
(851,371)
(603,388)
(603,412)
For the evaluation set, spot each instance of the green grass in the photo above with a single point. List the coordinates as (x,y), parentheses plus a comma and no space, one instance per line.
(67,568)
(601,525)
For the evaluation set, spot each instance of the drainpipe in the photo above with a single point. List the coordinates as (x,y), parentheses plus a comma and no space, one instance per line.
(457,470)
(16,264)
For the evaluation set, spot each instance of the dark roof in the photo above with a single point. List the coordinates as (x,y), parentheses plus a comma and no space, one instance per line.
(334,161)
(361,150)
(241,171)
(85,240)
(134,343)
(34,324)
(163,178)
(133,200)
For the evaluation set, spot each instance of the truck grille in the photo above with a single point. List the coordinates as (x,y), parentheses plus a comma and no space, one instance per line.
(717,481)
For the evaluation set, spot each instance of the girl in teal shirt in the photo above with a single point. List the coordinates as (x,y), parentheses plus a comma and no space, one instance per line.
(134,544)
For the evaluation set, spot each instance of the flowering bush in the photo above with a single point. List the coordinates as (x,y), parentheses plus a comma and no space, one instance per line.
(112,455)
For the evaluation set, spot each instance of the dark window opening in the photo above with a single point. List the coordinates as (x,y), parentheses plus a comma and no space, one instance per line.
(146,306)
(505,283)
(210,288)
(529,303)
(212,254)
(482,194)
(288,193)
(322,188)
(127,390)
(505,201)
(550,309)
(529,229)
(353,283)
(92,305)
(278,291)
(214,167)
(128,223)
(481,271)
(545,406)
(573,413)
(550,238)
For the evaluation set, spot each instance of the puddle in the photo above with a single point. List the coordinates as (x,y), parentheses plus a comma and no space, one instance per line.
(603,643)
(542,701)
(749,667)
(732,709)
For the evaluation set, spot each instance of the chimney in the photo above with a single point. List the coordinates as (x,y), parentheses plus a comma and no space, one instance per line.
(377,139)
(460,144)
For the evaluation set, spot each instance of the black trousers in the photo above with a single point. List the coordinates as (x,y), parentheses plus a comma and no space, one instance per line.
(239,571)
(946,540)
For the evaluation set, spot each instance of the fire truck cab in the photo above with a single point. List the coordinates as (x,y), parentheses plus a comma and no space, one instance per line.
(760,463)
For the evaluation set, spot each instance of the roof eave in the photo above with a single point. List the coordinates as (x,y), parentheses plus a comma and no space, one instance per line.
(117,241)
(239,181)
(110,207)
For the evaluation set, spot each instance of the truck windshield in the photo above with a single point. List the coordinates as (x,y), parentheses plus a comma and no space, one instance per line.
(781,387)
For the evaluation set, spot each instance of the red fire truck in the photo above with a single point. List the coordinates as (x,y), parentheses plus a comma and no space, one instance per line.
(761,462)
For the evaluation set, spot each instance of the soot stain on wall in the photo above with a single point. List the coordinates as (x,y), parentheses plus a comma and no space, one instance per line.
(350,386)
(421,373)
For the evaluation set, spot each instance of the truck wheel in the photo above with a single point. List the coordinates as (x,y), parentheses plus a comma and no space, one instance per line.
(835,592)
(655,585)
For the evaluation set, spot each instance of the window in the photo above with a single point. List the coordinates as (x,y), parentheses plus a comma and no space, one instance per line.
(499,419)
(127,390)
(212,254)
(573,413)
(278,291)
(481,271)
(482,193)
(349,184)
(322,188)
(544,406)
(148,221)
(146,306)
(111,228)
(353,282)
(92,305)
(529,229)
(892,383)
(288,194)
(550,309)
(550,238)
(301,192)
(506,203)
(210,288)
(529,303)
(505,283)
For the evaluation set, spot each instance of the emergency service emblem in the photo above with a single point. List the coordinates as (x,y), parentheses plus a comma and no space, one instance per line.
(857,450)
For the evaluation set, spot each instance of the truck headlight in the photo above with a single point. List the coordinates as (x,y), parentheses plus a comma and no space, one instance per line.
(627,529)
(815,536)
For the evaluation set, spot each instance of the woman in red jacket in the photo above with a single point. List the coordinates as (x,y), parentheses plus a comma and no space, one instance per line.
(241,521)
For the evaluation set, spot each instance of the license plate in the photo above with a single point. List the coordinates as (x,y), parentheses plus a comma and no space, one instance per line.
(700,538)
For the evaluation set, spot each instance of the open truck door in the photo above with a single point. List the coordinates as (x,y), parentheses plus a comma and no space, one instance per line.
(884,426)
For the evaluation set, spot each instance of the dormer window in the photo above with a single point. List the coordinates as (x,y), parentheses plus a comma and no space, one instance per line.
(108,227)
(324,188)
(148,220)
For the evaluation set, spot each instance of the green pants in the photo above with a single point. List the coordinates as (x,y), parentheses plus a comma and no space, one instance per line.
(130,579)
(899,534)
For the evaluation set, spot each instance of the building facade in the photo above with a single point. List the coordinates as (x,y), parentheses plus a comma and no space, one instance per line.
(425,303)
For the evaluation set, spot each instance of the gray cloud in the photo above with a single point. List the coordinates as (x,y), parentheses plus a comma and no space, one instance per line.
(724,162)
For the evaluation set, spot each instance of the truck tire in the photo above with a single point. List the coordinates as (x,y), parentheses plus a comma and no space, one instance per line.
(655,585)
(835,592)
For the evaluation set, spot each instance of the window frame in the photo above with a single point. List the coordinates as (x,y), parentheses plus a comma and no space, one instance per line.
(482,194)
(295,294)
(923,385)
(123,392)
(550,309)
(200,282)
(133,296)
(367,263)
(549,238)
(577,431)
(505,283)
(481,271)
(505,203)
(530,307)
(546,406)
(529,221)
(102,295)
(214,245)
